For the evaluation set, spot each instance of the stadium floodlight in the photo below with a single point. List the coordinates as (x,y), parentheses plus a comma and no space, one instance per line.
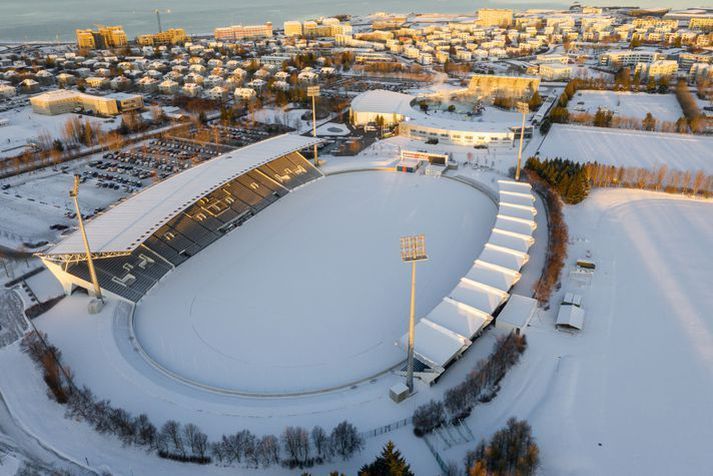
(413,250)
(313,92)
(524,108)
(74,194)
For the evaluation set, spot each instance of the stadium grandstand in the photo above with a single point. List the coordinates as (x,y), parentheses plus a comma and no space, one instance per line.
(138,241)
(476,301)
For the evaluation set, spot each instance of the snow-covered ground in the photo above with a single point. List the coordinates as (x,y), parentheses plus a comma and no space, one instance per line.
(25,126)
(629,393)
(36,200)
(311,293)
(664,107)
(629,148)
(332,129)
(291,118)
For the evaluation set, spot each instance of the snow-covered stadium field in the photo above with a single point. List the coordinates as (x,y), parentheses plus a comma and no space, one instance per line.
(664,107)
(629,148)
(311,293)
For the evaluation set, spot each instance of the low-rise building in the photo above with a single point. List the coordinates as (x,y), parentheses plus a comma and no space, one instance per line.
(61,101)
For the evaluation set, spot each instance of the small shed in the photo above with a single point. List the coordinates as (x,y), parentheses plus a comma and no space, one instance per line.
(570,317)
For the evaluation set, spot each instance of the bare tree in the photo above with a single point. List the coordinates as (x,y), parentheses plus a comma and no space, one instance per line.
(268,450)
(171,439)
(320,440)
(345,440)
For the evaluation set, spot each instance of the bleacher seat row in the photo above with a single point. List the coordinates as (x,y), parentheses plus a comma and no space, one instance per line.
(199,225)
(450,328)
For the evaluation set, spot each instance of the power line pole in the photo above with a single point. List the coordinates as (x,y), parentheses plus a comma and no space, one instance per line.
(524,109)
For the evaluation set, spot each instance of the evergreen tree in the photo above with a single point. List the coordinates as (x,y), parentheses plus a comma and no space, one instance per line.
(388,463)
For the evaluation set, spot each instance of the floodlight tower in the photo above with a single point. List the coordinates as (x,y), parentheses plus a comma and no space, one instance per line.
(74,194)
(313,92)
(523,107)
(413,250)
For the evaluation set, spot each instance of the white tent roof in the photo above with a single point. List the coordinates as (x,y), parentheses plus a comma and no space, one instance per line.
(381,101)
(434,344)
(570,316)
(508,239)
(512,186)
(126,225)
(493,275)
(478,295)
(459,318)
(517,225)
(517,312)
(517,211)
(516,198)
(504,257)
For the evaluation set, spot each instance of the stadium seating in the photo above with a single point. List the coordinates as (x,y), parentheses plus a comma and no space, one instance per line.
(199,225)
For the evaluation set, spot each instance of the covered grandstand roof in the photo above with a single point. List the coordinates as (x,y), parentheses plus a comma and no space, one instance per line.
(125,226)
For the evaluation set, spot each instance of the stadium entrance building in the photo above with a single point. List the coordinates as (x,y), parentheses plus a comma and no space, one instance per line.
(137,242)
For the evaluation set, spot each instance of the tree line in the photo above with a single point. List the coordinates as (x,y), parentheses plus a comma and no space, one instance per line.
(480,386)
(295,447)
(557,235)
(573,181)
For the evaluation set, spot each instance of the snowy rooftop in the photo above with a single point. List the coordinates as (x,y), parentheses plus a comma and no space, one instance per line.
(518,311)
(383,102)
(128,224)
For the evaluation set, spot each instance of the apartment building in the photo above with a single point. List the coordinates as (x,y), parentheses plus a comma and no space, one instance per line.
(173,36)
(495,17)
(657,69)
(292,28)
(240,32)
(628,57)
(104,37)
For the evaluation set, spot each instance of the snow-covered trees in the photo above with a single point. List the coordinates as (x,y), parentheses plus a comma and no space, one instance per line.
(480,385)
(428,417)
(511,450)
(345,440)
(295,441)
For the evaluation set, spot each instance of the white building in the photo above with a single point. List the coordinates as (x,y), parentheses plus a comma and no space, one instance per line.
(244,93)
(556,71)
(7,91)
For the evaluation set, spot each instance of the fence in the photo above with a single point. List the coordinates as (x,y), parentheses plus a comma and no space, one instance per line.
(387,428)
(442,464)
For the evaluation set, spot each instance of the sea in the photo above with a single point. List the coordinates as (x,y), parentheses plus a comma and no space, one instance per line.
(56,20)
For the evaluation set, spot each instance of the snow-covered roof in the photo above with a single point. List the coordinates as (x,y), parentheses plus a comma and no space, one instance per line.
(517,312)
(381,101)
(570,316)
(458,317)
(125,226)
(435,345)
(478,295)
(493,275)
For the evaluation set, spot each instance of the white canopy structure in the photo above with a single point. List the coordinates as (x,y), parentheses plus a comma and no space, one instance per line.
(517,313)
(436,346)
(452,325)
(125,226)
(460,318)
